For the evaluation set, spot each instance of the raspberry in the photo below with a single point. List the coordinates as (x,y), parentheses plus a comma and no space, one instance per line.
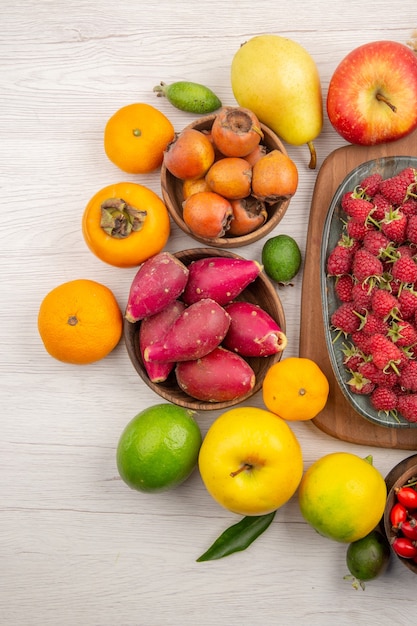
(356,230)
(396,188)
(374,324)
(385,354)
(384,399)
(411,232)
(408,376)
(394,225)
(366,267)
(381,207)
(344,319)
(362,297)
(343,287)
(407,406)
(404,250)
(384,304)
(360,385)
(409,207)
(358,209)
(404,270)
(370,184)
(361,341)
(339,260)
(407,301)
(377,243)
(353,358)
(403,333)
(377,376)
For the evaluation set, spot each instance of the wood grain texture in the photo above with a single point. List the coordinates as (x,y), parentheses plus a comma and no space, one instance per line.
(77,546)
(339,418)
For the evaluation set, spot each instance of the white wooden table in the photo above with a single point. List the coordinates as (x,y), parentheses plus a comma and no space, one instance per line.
(77,547)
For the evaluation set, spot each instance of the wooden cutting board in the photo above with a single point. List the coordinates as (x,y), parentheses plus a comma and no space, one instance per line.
(338,418)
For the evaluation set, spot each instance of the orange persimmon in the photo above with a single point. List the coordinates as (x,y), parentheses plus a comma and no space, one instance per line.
(125,223)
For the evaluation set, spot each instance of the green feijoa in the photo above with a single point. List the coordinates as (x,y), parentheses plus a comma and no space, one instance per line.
(367,558)
(281,258)
(188,96)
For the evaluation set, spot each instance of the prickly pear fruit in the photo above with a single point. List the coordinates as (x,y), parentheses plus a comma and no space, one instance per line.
(220,278)
(159,280)
(152,329)
(220,376)
(199,329)
(252,331)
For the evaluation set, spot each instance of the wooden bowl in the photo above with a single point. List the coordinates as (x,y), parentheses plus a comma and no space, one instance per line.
(172,194)
(260,291)
(402,473)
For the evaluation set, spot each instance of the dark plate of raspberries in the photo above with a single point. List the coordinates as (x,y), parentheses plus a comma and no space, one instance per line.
(369,289)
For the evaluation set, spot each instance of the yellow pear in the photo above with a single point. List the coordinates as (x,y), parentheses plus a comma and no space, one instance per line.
(278,80)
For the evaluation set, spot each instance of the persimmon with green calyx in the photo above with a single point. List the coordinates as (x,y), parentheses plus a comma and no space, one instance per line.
(125,224)
(189,96)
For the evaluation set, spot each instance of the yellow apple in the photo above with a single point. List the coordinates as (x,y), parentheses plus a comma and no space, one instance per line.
(250,461)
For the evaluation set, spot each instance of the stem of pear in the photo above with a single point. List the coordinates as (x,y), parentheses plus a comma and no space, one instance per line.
(382,98)
(313,156)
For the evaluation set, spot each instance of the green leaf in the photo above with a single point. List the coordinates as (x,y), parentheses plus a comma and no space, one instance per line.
(238,537)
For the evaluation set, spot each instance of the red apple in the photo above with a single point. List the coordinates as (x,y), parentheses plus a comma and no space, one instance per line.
(372,96)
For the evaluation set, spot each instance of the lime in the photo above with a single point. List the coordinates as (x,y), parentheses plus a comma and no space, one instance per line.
(367,558)
(281,258)
(342,496)
(159,448)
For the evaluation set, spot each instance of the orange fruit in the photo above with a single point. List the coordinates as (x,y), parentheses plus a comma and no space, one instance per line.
(207,214)
(230,177)
(80,321)
(295,388)
(109,213)
(274,176)
(136,136)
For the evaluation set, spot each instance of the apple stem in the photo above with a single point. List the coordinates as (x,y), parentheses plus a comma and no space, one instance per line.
(245,466)
(313,156)
(382,98)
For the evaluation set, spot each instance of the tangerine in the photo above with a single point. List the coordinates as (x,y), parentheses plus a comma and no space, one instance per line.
(80,321)
(274,177)
(295,388)
(136,136)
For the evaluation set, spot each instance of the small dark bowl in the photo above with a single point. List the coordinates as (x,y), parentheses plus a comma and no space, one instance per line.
(260,291)
(408,470)
(172,194)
